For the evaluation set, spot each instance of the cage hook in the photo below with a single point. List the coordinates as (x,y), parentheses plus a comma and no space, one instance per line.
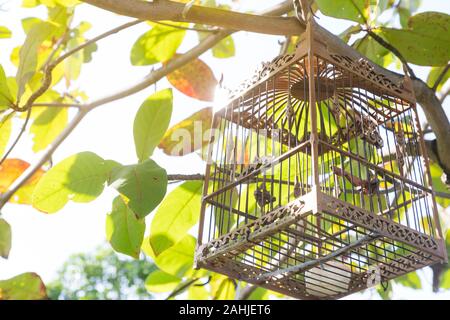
(384,285)
(205,283)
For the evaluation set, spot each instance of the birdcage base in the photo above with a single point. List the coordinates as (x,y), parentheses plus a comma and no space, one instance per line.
(323,252)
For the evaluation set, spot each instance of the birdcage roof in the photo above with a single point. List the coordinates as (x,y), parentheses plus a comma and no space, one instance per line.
(366,73)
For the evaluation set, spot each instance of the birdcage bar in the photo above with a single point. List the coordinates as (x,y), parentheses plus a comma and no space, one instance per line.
(424,168)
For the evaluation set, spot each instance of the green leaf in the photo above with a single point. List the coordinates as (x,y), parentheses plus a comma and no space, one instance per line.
(124,230)
(445,282)
(28,23)
(198,293)
(80,178)
(157,45)
(143,184)
(260,294)
(158,281)
(5,95)
(47,126)
(385,294)
(439,186)
(425,42)
(5,132)
(178,259)
(191,131)
(151,122)
(224,49)
(347,33)
(88,51)
(5,238)
(222,288)
(372,50)
(410,280)
(5,32)
(26,286)
(176,215)
(72,66)
(404,15)
(147,248)
(61,17)
(410,5)
(434,75)
(345,9)
(447,241)
(222,219)
(39,32)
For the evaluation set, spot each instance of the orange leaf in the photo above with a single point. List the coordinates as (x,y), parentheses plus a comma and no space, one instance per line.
(188,135)
(195,80)
(10,170)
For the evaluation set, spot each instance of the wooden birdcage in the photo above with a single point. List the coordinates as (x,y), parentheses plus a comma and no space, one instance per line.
(317,183)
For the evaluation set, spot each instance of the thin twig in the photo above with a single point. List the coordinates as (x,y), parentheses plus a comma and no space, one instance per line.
(96,39)
(58,45)
(440,78)
(186,177)
(47,80)
(57,105)
(22,130)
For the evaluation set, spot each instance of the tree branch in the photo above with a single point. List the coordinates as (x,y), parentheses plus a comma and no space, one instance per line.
(167,10)
(160,73)
(47,80)
(22,131)
(56,105)
(173,11)
(437,119)
(153,77)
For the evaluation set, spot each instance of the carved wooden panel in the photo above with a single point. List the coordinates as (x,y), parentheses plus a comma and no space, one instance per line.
(379,224)
(244,237)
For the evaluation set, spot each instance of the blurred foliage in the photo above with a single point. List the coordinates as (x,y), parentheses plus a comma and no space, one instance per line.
(99,275)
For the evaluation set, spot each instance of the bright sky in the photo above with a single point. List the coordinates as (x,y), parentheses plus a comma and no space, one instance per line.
(41,243)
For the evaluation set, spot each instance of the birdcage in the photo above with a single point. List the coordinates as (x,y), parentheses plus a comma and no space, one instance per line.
(317,184)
